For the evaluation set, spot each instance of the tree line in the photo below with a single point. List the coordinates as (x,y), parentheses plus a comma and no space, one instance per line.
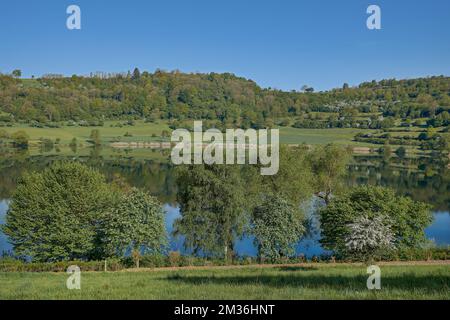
(224,99)
(69,212)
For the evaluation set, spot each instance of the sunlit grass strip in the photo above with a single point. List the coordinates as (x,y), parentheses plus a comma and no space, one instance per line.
(277,282)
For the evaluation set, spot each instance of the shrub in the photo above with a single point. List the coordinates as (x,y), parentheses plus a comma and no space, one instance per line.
(155,260)
(174,258)
(46,144)
(400,152)
(4,134)
(13,265)
(416,254)
(20,139)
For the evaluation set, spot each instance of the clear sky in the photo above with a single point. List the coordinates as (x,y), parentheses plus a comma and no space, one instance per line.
(281,44)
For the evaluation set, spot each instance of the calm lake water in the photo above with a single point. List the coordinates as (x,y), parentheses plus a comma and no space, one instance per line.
(429,184)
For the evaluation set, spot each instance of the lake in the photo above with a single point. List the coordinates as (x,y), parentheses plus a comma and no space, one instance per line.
(429,183)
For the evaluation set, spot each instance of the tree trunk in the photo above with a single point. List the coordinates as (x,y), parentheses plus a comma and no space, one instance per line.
(260,258)
(327,198)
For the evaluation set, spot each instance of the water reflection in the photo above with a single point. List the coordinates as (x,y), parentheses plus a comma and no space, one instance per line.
(4,245)
(439,231)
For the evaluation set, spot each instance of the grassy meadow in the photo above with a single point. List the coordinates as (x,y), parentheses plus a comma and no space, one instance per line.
(341,136)
(313,281)
(142,131)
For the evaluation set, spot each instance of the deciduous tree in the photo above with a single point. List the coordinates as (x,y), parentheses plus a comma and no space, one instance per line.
(135,224)
(277,226)
(407,218)
(55,214)
(213,207)
(329,165)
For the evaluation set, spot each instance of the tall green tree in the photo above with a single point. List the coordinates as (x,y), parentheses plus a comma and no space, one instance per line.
(294,180)
(95,137)
(20,139)
(16,73)
(329,166)
(136,223)
(55,214)
(136,74)
(213,206)
(277,226)
(407,218)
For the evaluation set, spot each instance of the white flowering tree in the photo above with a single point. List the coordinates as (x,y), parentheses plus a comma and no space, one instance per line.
(368,236)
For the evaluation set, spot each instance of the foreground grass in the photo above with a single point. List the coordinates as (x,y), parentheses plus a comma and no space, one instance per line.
(288,282)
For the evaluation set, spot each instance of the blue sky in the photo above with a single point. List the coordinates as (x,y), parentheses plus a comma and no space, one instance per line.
(279,43)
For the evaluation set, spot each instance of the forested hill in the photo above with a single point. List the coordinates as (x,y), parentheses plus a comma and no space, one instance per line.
(221,98)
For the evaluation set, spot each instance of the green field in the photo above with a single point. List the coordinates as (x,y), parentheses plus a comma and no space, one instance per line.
(313,281)
(142,131)
(147,132)
(343,136)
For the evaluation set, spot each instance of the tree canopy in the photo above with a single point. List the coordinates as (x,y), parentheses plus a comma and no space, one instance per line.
(213,207)
(277,225)
(328,165)
(135,223)
(407,218)
(54,214)
(69,212)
